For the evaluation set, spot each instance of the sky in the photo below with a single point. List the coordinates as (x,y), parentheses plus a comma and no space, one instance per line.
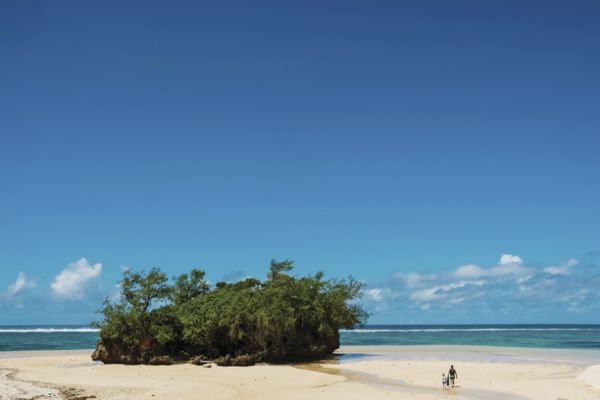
(444,153)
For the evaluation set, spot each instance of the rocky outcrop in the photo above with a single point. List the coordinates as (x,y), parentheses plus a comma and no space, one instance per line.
(117,355)
(114,355)
(282,319)
(243,360)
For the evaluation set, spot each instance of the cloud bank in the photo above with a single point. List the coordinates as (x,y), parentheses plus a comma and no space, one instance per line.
(510,290)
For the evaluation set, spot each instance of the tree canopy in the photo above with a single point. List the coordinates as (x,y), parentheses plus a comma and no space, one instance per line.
(158,321)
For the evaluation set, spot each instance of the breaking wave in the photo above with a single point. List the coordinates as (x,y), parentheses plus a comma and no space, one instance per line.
(49,330)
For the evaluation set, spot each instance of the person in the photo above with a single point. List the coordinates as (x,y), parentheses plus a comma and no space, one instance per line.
(452,375)
(444,381)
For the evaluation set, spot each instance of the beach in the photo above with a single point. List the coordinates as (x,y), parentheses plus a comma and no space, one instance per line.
(357,372)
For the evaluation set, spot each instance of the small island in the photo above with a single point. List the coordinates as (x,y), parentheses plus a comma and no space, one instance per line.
(281,319)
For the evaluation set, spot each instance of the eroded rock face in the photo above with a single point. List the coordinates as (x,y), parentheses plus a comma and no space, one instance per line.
(112,356)
(243,360)
(223,361)
(201,360)
(101,354)
(161,360)
(120,354)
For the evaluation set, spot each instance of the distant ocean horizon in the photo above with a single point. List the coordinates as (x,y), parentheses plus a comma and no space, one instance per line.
(553,336)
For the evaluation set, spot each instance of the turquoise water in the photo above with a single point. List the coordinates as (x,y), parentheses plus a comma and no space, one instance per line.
(536,336)
(14,338)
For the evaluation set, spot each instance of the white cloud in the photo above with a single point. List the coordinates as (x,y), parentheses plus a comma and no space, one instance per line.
(375,294)
(510,265)
(470,271)
(524,279)
(506,259)
(564,269)
(441,292)
(507,265)
(507,287)
(429,294)
(575,297)
(537,288)
(465,281)
(379,295)
(20,284)
(414,280)
(70,283)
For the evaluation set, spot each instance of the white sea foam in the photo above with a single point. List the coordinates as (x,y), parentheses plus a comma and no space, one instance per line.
(49,330)
(408,330)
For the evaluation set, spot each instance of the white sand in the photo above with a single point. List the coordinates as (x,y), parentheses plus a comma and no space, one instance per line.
(11,389)
(591,377)
(371,373)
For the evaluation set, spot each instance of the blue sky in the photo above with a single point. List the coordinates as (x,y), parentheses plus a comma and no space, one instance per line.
(394,141)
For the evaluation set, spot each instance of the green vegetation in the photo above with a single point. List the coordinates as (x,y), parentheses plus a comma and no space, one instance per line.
(276,320)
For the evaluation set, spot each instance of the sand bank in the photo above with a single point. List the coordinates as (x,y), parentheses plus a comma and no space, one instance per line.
(361,372)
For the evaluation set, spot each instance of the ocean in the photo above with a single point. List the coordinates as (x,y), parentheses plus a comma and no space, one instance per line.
(534,336)
(65,337)
(14,338)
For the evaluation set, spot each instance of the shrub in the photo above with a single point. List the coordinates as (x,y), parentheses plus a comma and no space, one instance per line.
(282,318)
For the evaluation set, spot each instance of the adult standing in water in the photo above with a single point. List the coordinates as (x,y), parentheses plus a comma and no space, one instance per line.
(452,375)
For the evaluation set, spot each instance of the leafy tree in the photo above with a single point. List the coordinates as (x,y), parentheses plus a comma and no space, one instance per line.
(189,287)
(278,319)
(279,267)
(141,290)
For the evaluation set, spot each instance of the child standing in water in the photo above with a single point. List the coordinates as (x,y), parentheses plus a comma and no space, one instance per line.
(444,381)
